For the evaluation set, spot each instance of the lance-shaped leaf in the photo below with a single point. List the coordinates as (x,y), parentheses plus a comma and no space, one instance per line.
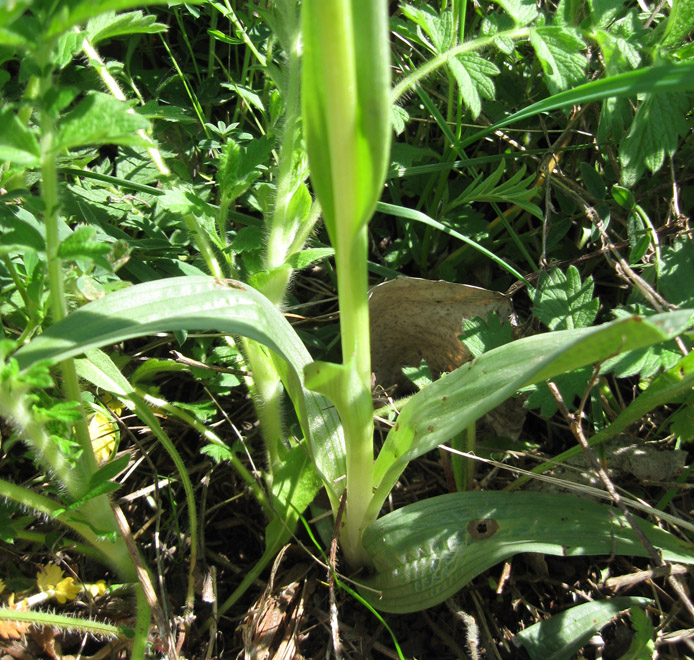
(451,404)
(425,552)
(197,303)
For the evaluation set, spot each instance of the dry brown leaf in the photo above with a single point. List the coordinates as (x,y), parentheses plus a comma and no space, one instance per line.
(414,319)
(13,629)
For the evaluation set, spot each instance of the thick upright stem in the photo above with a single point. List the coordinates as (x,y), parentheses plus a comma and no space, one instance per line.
(358,424)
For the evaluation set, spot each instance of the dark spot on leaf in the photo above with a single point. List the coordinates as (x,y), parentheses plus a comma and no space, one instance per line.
(430,429)
(483,528)
(397,426)
(443,398)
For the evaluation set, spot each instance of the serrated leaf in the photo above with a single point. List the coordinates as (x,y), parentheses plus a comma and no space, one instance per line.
(644,362)
(218,453)
(101,119)
(564,634)
(655,131)
(642,645)
(17,143)
(480,336)
(619,53)
(473,75)
(563,302)
(559,50)
(522,12)
(109,25)
(438,27)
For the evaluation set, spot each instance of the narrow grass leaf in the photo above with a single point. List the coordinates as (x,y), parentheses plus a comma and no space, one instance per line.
(562,635)
(665,78)
(427,551)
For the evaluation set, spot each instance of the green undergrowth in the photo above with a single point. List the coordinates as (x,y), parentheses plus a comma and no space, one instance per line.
(195,199)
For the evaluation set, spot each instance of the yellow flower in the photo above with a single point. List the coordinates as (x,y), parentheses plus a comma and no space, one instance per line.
(97,588)
(2,586)
(104,432)
(50,580)
(48,577)
(66,590)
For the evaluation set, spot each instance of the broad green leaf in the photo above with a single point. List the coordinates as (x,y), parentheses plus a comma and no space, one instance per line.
(201,303)
(11,10)
(109,25)
(564,634)
(17,143)
(655,132)
(472,73)
(427,551)
(642,645)
(101,119)
(559,50)
(522,12)
(21,233)
(677,273)
(451,404)
(563,302)
(619,53)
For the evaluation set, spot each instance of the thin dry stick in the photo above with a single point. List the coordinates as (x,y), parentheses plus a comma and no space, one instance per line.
(332,561)
(574,421)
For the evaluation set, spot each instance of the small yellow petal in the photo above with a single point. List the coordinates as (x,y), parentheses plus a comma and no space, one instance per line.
(66,590)
(2,586)
(48,577)
(97,588)
(102,431)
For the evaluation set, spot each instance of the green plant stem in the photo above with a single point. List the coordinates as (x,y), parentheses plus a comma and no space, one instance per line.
(49,191)
(65,623)
(113,554)
(352,278)
(409,81)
